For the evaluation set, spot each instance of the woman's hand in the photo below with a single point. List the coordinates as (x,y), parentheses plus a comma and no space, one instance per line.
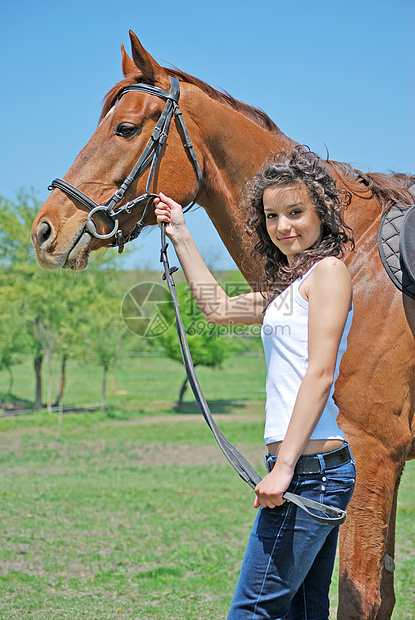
(169,211)
(271,488)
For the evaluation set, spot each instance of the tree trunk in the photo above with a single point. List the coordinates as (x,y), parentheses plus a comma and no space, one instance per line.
(62,383)
(11,380)
(112,391)
(38,373)
(104,389)
(50,383)
(60,418)
(182,392)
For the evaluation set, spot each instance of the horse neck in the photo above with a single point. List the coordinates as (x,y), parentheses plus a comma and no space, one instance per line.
(233,148)
(363,215)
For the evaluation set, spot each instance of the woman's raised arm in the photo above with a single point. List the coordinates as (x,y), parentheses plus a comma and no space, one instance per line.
(215,305)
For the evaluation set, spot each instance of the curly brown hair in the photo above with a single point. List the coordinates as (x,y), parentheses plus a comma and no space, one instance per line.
(301,168)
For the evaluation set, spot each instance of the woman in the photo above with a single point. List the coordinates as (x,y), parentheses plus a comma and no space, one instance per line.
(305,306)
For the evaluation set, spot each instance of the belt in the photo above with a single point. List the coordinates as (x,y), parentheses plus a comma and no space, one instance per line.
(310,463)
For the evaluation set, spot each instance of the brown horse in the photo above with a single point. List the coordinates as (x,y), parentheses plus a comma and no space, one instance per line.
(375,391)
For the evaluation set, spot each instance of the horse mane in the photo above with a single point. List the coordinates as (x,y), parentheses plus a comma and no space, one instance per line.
(389,188)
(255,114)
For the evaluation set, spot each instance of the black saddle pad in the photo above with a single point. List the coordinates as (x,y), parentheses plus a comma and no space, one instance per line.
(396,240)
(407,242)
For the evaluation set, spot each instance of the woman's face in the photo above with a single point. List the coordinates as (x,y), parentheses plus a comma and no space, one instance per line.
(291,219)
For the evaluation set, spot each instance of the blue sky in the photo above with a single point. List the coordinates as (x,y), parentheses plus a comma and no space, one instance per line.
(330,73)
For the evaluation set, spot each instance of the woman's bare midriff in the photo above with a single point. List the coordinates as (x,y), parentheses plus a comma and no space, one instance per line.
(313,446)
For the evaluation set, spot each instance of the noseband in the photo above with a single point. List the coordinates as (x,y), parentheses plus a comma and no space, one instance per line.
(108,212)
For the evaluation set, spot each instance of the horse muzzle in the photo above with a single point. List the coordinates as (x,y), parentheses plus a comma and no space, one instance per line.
(66,251)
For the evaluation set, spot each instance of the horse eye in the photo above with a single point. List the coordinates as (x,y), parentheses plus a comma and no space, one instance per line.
(125,131)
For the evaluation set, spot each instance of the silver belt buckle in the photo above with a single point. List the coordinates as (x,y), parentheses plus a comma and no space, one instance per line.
(269,462)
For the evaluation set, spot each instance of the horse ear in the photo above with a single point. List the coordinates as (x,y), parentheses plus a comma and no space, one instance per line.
(150,69)
(128,65)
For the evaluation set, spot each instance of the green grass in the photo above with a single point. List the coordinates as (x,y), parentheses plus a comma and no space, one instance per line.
(149,384)
(85,544)
(135,514)
(405,547)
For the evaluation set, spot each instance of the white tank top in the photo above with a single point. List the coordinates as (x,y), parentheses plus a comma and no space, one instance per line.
(285,338)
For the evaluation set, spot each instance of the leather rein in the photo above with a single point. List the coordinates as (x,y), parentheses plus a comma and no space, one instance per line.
(330,514)
(109,212)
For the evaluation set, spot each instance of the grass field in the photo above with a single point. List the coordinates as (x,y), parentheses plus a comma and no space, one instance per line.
(135,513)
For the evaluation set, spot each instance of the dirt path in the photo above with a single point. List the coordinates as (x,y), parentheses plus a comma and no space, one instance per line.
(91,452)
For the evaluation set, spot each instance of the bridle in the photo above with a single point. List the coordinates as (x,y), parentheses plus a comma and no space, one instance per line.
(108,212)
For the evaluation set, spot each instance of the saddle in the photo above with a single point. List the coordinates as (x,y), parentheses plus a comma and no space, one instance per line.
(396,242)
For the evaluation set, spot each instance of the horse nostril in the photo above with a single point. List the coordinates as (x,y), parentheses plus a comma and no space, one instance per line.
(44,233)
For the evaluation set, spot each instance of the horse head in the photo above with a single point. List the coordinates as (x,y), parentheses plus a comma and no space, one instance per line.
(64,231)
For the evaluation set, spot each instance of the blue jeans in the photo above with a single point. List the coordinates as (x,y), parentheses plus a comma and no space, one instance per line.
(288,563)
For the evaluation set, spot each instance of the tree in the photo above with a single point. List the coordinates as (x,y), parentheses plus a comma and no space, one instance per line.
(54,306)
(206,346)
(105,337)
(13,341)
